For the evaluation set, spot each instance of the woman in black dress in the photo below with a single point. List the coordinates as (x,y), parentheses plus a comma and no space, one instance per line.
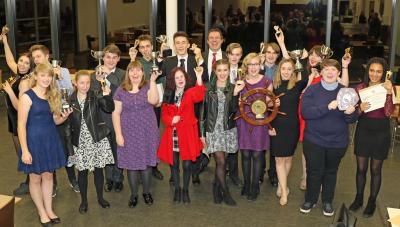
(283,145)
(20,69)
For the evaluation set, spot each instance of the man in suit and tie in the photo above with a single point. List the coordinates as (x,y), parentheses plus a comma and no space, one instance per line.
(112,76)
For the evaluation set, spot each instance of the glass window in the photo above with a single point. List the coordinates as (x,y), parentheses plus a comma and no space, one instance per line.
(195,20)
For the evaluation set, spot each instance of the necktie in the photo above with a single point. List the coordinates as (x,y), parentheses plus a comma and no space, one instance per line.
(182,63)
(233,76)
(214,59)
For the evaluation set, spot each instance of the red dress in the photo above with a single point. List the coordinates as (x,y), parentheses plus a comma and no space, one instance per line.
(316,80)
(187,130)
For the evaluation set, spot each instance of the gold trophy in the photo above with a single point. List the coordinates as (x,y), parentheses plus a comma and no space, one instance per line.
(389,75)
(5,30)
(11,80)
(64,99)
(259,108)
(162,39)
(197,58)
(262,47)
(326,52)
(133,49)
(348,52)
(296,55)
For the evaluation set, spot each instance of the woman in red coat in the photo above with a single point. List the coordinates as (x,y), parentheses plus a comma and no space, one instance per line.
(180,139)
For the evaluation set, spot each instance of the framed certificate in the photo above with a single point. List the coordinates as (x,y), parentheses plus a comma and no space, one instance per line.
(374,95)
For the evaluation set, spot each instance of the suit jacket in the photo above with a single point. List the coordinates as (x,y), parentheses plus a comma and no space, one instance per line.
(206,77)
(171,62)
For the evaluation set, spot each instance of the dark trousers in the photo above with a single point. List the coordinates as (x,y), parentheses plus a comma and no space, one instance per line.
(112,172)
(322,167)
(232,165)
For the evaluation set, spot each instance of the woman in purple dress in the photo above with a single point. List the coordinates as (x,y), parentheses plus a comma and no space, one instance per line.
(253,140)
(136,129)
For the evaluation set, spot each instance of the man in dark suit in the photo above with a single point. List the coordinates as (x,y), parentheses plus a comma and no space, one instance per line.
(112,77)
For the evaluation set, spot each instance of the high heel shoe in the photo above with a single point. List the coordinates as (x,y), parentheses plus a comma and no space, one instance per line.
(45,224)
(148,199)
(83,208)
(56,220)
(133,201)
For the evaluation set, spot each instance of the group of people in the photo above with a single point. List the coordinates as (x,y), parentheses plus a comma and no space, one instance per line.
(111,122)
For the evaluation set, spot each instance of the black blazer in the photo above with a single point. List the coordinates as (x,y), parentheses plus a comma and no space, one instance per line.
(171,62)
(206,77)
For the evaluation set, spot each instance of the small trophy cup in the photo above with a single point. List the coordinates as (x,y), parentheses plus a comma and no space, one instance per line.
(133,49)
(262,47)
(277,31)
(5,30)
(326,52)
(162,39)
(389,75)
(64,99)
(55,63)
(348,52)
(98,55)
(296,55)
(154,67)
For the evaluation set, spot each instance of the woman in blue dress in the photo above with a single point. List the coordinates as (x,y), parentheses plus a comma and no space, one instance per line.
(39,110)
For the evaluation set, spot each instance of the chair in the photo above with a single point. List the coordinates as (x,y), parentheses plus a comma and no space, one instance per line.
(7,211)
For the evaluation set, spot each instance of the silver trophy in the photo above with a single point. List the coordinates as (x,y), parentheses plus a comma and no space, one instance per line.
(5,30)
(296,55)
(55,63)
(64,99)
(98,55)
(326,52)
(347,97)
(154,67)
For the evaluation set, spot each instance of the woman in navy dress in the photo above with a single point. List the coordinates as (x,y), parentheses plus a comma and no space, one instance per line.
(39,110)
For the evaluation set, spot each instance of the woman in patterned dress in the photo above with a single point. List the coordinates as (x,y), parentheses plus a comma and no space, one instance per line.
(217,126)
(136,129)
(92,151)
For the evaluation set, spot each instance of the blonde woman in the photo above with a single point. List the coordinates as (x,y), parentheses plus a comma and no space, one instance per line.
(39,110)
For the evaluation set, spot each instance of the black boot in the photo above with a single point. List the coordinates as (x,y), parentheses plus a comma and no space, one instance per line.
(254,191)
(185,196)
(370,208)
(357,203)
(245,189)
(227,197)
(217,193)
(177,195)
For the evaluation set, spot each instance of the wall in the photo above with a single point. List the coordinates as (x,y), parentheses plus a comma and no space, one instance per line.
(119,15)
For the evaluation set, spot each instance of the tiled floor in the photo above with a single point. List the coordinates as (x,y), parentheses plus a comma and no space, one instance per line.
(266,211)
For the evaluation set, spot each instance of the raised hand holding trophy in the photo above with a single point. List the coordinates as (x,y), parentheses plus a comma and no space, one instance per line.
(64,99)
(327,52)
(296,55)
(98,55)
(5,30)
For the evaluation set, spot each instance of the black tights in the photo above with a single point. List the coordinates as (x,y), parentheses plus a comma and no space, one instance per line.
(98,182)
(247,156)
(376,176)
(187,168)
(220,174)
(133,178)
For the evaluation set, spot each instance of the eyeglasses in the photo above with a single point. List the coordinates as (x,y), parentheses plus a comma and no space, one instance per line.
(253,65)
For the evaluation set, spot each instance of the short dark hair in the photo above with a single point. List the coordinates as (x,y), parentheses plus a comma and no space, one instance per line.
(215,30)
(112,48)
(180,34)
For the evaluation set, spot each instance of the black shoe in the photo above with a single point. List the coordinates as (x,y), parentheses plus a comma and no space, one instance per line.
(196,180)
(245,190)
(171,181)
(227,198)
(45,224)
(74,185)
(370,208)
(157,174)
(274,181)
(177,195)
(328,210)
(54,193)
(83,208)
(185,196)
(103,203)
(217,195)
(133,201)
(148,199)
(22,189)
(252,196)
(357,203)
(108,186)
(306,207)
(56,220)
(119,186)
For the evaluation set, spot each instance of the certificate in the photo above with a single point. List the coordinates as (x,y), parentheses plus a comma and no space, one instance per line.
(374,95)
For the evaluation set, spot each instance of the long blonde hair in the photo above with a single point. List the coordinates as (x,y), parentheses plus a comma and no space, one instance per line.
(52,93)
(277,81)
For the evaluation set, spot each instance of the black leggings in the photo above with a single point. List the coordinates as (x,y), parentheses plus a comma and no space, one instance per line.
(133,178)
(376,175)
(247,156)
(187,168)
(98,182)
(219,157)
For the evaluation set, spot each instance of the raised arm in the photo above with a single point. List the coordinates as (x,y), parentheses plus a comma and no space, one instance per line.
(344,79)
(9,55)
(280,38)
(152,95)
